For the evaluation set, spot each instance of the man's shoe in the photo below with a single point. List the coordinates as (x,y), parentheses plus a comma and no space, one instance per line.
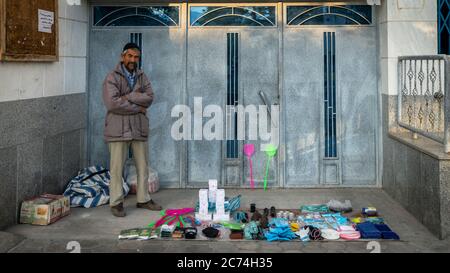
(118,210)
(150,205)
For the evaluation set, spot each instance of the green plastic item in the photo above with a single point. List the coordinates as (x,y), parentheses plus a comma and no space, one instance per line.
(271,151)
(314,208)
(233,226)
(169,219)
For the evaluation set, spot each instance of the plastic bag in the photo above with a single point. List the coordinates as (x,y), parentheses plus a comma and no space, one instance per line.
(130,176)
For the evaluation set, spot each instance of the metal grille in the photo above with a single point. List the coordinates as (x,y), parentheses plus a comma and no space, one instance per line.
(329,15)
(232,94)
(136,16)
(233,16)
(329,40)
(422,93)
(137,39)
(444,26)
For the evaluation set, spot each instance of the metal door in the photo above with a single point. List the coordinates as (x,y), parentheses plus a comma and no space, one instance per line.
(230,65)
(330,96)
(157,30)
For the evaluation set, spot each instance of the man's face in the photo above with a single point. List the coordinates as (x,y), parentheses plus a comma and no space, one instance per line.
(130,59)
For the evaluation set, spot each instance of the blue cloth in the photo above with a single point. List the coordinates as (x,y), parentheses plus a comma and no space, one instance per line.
(251,231)
(368,231)
(131,78)
(386,232)
(279,230)
(90,188)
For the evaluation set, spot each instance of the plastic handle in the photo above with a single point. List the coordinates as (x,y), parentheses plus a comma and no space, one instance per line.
(267,173)
(252,182)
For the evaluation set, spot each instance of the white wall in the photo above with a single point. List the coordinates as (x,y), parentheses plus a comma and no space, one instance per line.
(407,27)
(24,80)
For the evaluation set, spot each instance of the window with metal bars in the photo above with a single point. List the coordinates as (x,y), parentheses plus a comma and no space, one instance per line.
(137,39)
(444,26)
(232,94)
(134,16)
(261,16)
(329,40)
(329,15)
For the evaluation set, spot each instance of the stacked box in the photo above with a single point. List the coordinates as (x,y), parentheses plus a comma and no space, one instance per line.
(212,190)
(203,213)
(220,214)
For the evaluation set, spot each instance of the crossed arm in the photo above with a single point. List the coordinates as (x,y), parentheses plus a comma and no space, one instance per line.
(144,99)
(133,103)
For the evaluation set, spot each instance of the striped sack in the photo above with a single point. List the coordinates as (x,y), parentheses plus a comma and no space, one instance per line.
(90,188)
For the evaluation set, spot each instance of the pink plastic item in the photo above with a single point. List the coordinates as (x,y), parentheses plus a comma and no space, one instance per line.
(249,151)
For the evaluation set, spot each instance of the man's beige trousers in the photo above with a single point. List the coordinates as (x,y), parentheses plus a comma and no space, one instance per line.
(118,151)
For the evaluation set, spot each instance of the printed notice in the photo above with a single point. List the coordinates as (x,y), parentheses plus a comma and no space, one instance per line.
(46,20)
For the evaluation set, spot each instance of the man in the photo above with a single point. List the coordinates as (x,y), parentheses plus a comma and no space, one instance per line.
(127,94)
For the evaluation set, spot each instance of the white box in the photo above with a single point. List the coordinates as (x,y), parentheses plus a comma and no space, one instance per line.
(217,217)
(212,196)
(212,191)
(220,201)
(203,217)
(212,184)
(203,201)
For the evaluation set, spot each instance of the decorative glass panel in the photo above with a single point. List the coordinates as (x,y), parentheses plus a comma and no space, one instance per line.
(329,15)
(329,41)
(232,94)
(131,16)
(444,26)
(137,39)
(233,16)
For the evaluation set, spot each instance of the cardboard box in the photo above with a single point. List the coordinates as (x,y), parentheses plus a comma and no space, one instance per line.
(44,209)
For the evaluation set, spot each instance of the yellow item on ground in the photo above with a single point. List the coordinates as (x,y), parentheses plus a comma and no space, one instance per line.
(295,227)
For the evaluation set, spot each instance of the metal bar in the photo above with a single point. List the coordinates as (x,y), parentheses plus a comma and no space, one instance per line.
(229,95)
(422,132)
(447,104)
(333,75)
(423,57)
(141,45)
(232,144)
(236,99)
(234,92)
(326,81)
(400,74)
(330,96)
(325,89)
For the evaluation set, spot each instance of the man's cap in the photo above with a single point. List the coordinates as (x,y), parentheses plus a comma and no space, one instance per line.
(131,46)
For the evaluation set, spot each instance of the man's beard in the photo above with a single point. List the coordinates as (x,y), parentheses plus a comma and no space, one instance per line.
(132,66)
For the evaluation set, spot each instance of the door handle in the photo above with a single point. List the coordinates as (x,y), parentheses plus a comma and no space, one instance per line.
(264,99)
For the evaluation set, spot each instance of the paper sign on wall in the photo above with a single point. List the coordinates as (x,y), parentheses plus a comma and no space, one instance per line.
(46,20)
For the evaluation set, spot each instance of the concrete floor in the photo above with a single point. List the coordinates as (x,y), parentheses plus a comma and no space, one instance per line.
(96,230)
